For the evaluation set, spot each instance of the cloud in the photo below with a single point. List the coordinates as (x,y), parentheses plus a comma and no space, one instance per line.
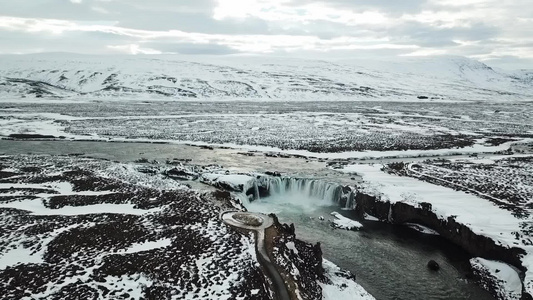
(391,7)
(133,49)
(244,43)
(428,36)
(191,48)
(482,29)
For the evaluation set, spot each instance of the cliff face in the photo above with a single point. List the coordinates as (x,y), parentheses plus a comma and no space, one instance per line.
(460,234)
(299,262)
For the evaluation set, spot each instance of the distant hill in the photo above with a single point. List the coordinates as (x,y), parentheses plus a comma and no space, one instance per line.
(73,76)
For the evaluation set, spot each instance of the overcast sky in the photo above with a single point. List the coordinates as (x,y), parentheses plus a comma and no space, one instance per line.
(499,32)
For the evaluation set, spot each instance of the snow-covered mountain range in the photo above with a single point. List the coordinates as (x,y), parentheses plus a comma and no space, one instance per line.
(232,77)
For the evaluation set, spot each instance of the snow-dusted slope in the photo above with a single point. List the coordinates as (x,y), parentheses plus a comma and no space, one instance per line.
(186,77)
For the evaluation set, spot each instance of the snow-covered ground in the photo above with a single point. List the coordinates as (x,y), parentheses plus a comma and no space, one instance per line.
(340,286)
(503,180)
(498,276)
(367,130)
(235,182)
(188,77)
(342,222)
(85,229)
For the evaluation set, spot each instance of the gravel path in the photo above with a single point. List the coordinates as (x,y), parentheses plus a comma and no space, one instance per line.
(279,287)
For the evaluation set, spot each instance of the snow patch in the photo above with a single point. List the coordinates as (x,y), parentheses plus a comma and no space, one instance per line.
(505,279)
(236,182)
(146,246)
(370,218)
(341,287)
(345,223)
(20,254)
(292,247)
(421,228)
(36,207)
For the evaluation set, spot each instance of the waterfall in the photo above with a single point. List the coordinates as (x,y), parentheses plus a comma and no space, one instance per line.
(273,186)
(350,201)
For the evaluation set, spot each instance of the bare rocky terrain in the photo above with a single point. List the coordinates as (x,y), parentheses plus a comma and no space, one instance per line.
(156,241)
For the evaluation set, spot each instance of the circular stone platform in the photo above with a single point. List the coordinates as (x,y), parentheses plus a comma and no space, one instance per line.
(248,219)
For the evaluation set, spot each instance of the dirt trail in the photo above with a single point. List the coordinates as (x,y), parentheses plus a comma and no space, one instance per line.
(278,284)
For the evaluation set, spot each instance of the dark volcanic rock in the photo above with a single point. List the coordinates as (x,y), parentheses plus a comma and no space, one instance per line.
(433,265)
(181,174)
(290,253)
(30,136)
(261,191)
(273,173)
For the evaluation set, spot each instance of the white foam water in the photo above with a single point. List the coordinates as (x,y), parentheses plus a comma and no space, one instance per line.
(302,191)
